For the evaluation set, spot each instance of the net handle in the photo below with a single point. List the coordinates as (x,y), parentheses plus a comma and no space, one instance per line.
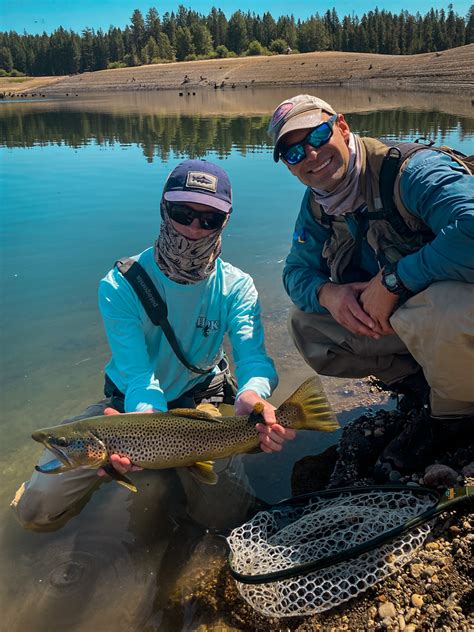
(452,497)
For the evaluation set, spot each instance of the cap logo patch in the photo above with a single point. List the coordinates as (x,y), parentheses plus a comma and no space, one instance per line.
(281,112)
(201,180)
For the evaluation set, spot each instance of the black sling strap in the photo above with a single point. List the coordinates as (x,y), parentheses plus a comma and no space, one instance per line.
(154,305)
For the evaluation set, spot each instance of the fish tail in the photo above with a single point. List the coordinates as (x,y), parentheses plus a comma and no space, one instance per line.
(309,408)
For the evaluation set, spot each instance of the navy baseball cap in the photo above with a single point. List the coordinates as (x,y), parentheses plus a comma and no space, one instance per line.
(201,182)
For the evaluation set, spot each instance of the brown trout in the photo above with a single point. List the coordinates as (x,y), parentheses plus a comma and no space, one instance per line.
(182,437)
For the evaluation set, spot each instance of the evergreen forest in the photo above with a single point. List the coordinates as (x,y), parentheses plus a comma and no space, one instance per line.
(185,35)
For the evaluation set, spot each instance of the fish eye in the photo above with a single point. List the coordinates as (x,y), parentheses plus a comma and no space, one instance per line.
(61,441)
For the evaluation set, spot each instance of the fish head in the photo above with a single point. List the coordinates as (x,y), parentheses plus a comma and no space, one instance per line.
(72,449)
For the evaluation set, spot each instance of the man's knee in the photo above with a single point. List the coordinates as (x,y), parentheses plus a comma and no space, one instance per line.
(43,510)
(308,328)
(46,501)
(28,507)
(443,310)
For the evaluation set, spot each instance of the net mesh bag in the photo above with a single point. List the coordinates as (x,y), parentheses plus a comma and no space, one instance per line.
(287,537)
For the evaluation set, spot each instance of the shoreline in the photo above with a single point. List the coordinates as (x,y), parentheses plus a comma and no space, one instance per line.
(443,71)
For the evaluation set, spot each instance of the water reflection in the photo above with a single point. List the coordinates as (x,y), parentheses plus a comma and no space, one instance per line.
(161,136)
(81,196)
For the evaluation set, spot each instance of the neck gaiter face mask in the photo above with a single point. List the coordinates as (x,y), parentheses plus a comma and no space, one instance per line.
(185,260)
(347,196)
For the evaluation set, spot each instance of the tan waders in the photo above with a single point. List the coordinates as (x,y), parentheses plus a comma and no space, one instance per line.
(435,329)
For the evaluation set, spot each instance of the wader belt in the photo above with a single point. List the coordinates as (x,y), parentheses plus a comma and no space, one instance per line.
(215,389)
(155,306)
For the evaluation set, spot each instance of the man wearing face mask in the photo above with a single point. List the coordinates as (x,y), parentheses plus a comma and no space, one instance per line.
(383,281)
(206,298)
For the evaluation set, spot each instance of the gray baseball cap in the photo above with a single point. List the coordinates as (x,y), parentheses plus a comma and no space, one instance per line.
(299,112)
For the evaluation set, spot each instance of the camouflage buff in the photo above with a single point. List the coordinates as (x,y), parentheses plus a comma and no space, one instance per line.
(185,260)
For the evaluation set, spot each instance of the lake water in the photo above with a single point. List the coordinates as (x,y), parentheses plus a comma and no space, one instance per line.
(80,184)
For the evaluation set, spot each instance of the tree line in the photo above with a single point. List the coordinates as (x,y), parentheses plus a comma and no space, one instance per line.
(187,35)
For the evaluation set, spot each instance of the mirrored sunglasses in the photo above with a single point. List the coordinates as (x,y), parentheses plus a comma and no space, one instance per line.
(185,215)
(317,137)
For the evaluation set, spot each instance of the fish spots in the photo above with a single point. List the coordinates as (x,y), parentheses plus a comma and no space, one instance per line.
(170,440)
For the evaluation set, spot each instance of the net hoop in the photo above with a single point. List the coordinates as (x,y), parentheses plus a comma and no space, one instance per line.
(312,552)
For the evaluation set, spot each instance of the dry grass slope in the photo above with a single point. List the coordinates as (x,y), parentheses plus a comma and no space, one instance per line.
(447,71)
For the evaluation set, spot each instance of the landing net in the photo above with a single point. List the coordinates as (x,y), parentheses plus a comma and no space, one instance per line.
(288,539)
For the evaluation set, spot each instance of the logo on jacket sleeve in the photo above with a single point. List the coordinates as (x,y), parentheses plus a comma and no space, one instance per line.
(299,237)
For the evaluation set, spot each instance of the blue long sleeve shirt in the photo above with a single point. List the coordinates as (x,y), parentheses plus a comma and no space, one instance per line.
(434,188)
(144,366)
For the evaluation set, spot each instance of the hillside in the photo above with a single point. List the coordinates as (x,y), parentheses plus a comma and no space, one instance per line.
(446,71)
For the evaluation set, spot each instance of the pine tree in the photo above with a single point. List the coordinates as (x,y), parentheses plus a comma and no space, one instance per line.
(101,51)
(6,59)
(152,24)
(217,25)
(138,29)
(286,30)
(184,43)
(116,45)
(150,52)
(165,50)
(202,39)
(469,37)
(237,39)
(169,27)
(313,35)
(269,29)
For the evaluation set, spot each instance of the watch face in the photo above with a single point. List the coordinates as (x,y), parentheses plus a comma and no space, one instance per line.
(391,280)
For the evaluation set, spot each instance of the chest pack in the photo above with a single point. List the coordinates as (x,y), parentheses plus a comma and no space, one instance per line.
(389,228)
(154,306)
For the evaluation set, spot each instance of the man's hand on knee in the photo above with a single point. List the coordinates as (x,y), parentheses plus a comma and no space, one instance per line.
(379,303)
(342,302)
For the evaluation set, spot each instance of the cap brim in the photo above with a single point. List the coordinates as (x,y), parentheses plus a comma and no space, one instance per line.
(301,121)
(198,198)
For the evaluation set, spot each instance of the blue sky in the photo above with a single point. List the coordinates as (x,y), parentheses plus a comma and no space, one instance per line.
(36,16)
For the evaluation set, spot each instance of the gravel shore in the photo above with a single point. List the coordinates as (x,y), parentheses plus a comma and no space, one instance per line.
(433,591)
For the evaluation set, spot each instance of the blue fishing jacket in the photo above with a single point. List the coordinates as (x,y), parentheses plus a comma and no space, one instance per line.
(434,188)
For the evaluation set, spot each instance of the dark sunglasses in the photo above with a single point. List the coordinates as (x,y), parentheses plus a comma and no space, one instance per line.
(317,137)
(185,215)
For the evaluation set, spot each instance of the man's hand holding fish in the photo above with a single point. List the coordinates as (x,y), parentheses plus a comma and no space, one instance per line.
(272,434)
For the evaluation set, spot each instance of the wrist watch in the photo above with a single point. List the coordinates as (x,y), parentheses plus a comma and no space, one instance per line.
(391,281)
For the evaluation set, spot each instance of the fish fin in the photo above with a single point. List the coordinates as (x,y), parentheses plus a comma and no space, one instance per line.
(308,408)
(120,478)
(227,410)
(210,409)
(193,413)
(204,472)
(256,416)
